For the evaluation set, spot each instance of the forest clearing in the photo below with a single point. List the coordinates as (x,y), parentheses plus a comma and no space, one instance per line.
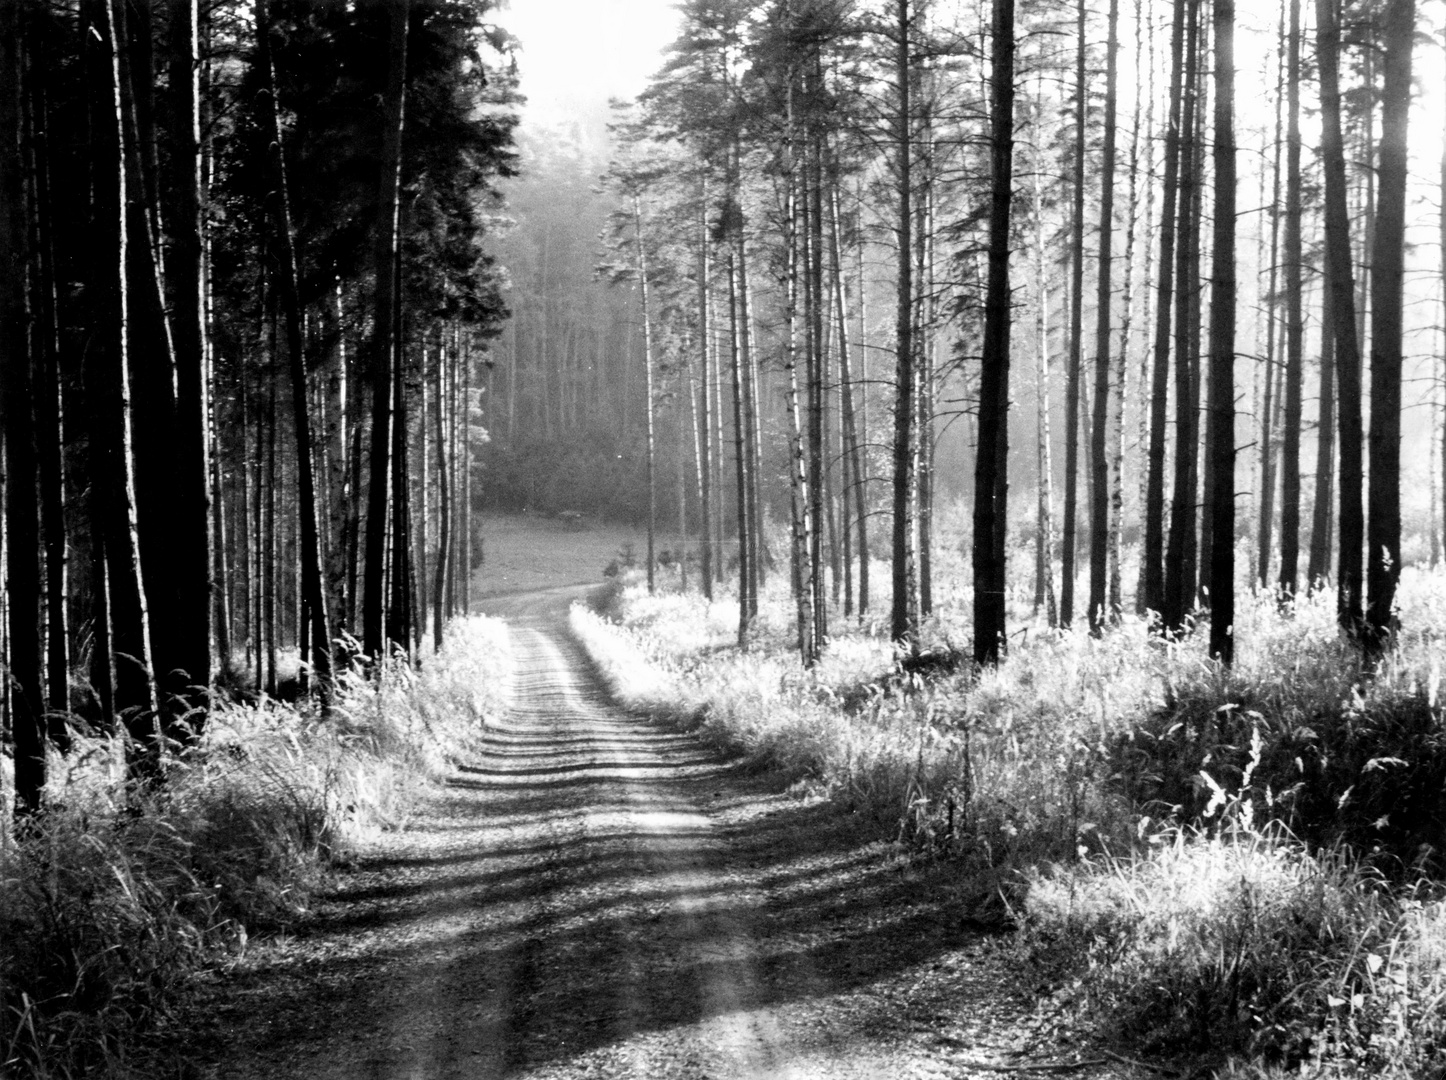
(997,449)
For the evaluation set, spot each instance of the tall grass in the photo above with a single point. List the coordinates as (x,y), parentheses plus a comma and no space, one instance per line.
(113,898)
(1236,862)
(1004,764)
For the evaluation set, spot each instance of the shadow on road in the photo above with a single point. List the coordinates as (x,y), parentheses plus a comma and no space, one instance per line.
(590,876)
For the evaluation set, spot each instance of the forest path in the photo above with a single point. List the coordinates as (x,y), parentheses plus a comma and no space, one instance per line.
(597,896)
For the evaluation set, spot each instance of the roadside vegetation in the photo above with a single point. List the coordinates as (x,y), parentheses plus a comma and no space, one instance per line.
(114,898)
(1233,866)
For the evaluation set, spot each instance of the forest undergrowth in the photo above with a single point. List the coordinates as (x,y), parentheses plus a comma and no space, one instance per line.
(115,898)
(1240,868)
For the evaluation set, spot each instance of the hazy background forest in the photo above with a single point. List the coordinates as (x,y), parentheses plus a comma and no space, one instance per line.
(727,82)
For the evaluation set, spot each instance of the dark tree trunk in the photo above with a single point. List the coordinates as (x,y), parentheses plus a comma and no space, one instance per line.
(1387,272)
(444,514)
(991,479)
(108,384)
(1220,433)
(24,664)
(1319,567)
(401,623)
(1179,554)
(189,521)
(1341,283)
(1294,320)
(1153,552)
(49,401)
(1099,462)
(385,331)
(904,612)
(1069,543)
(284,255)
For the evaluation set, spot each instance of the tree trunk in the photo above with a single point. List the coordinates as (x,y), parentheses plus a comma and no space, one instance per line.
(1341,283)
(108,385)
(313,595)
(904,613)
(802,554)
(1069,543)
(991,478)
(401,625)
(648,389)
(853,450)
(340,498)
(269,564)
(1294,320)
(758,555)
(818,366)
(464,455)
(385,322)
(444,514)
(1318,569)
(1272,364)
(1153,550)
(49,399)
(1220,433)
(24,662)
(1099,460)
(1121,362)
(1387,274)
(924,343)
(189,520)
(705,444)
(1044,465)
(740,448)
(1441,465)
(1179,563)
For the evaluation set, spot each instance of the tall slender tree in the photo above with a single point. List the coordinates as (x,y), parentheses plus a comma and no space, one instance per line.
(1220,431)
(284,255)
(904,613)
(1383,535)
(1340,283)
(1153,548)
(1099,461)
(1293,269)
(991,473)
(22,467)
(1075,369)
(385,323)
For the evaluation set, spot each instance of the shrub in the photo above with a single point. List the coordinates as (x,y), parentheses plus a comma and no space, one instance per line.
(1339,761)
(1248,944)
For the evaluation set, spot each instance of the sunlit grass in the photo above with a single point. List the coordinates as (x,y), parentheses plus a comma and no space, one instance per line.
(113,897)
(1223,862)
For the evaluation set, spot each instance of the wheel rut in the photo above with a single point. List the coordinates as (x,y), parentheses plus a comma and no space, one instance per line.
(595,895)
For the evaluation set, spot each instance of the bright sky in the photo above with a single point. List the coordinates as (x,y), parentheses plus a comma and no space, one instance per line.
(578,53)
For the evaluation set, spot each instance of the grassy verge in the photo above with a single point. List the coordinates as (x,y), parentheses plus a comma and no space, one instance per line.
(1002,767)
(1237,866)
(109,902)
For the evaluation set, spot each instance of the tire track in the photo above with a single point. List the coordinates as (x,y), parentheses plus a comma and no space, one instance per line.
(596,896)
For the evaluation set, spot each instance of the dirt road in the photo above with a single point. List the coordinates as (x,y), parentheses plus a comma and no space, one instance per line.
(596,896)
